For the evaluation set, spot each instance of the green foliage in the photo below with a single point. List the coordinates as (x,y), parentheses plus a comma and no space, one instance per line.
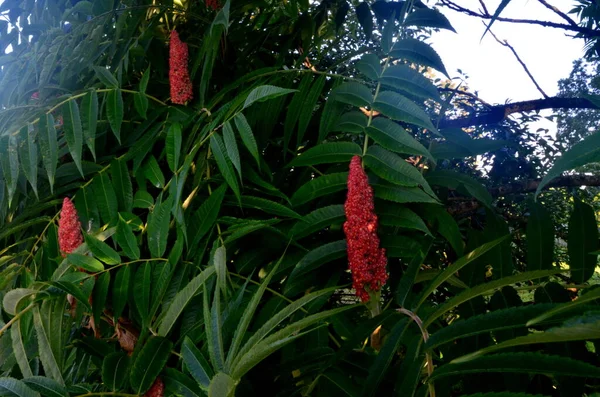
(214,256)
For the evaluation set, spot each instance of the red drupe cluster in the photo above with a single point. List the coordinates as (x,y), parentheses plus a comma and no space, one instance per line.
(69,228)
(214,4)
(157,389)
(367,261)
(179,78)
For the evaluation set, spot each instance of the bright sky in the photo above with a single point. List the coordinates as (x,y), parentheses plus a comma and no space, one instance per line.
(492,68)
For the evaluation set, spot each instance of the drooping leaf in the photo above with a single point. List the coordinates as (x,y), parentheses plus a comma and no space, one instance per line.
(416,51)
(196,364)
(89,119)
(354,122)
(268,206)
(213,321)
(365,18)
(427,17)
(540,238)
(207,213)
(408,81)
(394,215)
(47,356)
(247,136)
(218,149)
(334,152)
(582,242)
(317,220)
(158,228)
(181,300)
(308,107)
(126,239)
(120,290)
(497,13)
(264,93)
(149,362)
(401,194)
(370,66)
(115,369)
(585,298)
(48,146)
(73,132)
(99,296)
(231,147)
(392,136)
(101,250)
(461,182)
(114,111)
(122,184)
(47,387)
(105,197)
(318,187)
(17,388)
(400,108)
(141,290)
(86,262)
(106,77)
(392,168)
(153,173)
(173,146)
(355,94)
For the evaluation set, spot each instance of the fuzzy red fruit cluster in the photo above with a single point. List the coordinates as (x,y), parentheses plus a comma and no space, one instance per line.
(69,228)
(179,78)
(367,260)
(214,4)
(157,389)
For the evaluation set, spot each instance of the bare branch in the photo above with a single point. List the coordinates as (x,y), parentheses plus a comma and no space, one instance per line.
(496,114)
(505,44)
(558,12)
(579,29)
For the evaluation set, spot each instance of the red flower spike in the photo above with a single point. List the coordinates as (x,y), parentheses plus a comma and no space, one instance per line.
(69,228)
(367,261)
(179,78)
(157,389)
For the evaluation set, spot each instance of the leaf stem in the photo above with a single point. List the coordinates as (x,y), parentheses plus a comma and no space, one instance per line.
(16,317)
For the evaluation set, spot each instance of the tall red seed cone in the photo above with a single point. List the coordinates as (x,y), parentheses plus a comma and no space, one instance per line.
(367,260)
(179,78)
(69,228)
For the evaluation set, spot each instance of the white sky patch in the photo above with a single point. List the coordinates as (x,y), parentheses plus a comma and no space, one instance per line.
(492,68)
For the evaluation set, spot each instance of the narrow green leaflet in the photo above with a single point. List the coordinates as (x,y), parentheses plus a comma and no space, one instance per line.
(264,93)
(141,290)
(100,295)
(86,262)
(353,122)
(353,94)
(408,278)
(584,298)
(14,387)
(73,132)
(106,77)
(121,180)
(120,290)
(293,110)
(149,362)
(392,168)
(114,111)
(213,320)
(247,136)
(153,173)
(416,51)
(365,18)
(158,228)
(143,199)
(486,287)
(105,197)
(207,213)
(89,119)
(400,194)
(394,215)
(48,146)
(231,147)
(582,241)
(456,266)
(497,13)
(47,357)
(73,289)
(17,334)
(540,238)
(126,239)
(101,250)
(400,108)
(533,363)
(308,108)
(196,364)
(427,17)
(370,66)
(586,327)
(268,206)
(408,81)
(318,220)
(47,387)
(318,187)
(318,257)
(9,159)
(115,368)
(28,154)
(392,136)
(181,300)
(334,152)
(218,149)
(174,146)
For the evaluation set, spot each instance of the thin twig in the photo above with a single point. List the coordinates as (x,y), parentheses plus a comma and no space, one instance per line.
(505,44)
